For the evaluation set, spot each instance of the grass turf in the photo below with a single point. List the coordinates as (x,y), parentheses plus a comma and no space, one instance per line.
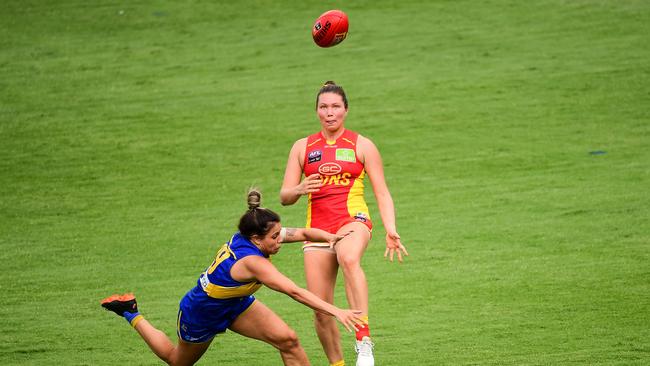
(129,133)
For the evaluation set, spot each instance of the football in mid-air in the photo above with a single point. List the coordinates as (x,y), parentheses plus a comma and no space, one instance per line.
(330,28)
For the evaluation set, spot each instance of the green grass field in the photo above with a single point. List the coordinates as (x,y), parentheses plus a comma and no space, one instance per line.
(514,134)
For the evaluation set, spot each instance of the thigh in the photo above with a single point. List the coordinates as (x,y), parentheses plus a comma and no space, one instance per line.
(321,268)
(260,322)
(355,243)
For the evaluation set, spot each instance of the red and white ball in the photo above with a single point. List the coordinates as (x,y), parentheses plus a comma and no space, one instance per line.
(330,28)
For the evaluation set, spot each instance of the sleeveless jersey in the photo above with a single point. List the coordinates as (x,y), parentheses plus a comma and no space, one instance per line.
(216,281)
(340,198)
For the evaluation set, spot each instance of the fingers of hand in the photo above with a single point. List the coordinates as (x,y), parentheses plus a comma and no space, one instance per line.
(360,323)
(403,249)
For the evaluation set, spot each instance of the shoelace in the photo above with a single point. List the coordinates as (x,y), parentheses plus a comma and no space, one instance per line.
(364,348)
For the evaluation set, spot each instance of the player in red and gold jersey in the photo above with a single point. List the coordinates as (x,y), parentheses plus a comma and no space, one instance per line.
(335,162)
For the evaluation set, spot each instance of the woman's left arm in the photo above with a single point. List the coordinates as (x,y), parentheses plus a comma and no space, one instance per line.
(374,168)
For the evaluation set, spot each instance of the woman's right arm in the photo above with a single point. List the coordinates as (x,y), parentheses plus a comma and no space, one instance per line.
(292,188)
(265,272)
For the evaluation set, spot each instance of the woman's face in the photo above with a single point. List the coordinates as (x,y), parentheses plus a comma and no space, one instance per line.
(331,111)
(270,243)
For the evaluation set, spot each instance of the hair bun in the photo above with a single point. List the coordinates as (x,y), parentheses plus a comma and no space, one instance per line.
(254,199)
(329,82)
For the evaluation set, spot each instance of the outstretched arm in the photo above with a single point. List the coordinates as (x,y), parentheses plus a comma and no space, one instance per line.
(261,269)
(375,169)
(310,234)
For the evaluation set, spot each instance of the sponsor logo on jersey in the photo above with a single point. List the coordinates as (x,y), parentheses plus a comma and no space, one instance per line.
(204,281)
(345,155)
(360,216)
(314,156)
(337,179)
(329,169)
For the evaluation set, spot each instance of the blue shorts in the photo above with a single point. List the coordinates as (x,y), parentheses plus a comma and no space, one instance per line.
(201,317)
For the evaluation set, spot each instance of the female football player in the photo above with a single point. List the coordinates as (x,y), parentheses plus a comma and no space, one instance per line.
(335,162)
(222,298)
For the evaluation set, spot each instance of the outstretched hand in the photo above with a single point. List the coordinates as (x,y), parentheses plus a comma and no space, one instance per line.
(393,244)
(351,319)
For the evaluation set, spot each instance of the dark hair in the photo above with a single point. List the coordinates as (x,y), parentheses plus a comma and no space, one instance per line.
(331,87)
(256,221)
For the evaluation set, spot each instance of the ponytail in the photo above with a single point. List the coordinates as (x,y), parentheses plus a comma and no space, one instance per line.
(257,220)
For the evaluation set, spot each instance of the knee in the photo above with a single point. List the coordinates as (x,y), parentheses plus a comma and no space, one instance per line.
(288,341)
(349,263)
(171,358)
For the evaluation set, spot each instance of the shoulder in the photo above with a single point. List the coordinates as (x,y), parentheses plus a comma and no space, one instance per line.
(367,150)
(366,146)
(298,149)
(241,247)
(254,261)
(301,142)
(361,139)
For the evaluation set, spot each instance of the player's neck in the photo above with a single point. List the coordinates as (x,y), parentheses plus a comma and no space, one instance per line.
(333,135)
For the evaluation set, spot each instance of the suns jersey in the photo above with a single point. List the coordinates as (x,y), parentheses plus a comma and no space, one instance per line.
(216,281)
(340,197)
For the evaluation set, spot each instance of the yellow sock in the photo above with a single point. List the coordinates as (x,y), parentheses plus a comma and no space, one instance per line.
(136,320)
(363,331)
(339,363)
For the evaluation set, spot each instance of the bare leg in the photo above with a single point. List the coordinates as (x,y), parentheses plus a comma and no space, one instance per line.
(321,269)
(182,354)
(349,252)
(260,322)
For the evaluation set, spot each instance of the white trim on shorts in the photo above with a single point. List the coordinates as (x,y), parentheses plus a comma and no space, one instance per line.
(321,247)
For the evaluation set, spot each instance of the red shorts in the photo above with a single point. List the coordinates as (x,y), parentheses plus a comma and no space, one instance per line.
(364,220)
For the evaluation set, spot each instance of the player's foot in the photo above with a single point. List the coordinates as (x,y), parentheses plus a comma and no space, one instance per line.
(364,352)
(120,304)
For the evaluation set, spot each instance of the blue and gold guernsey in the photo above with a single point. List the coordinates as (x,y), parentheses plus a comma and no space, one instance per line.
(217,299)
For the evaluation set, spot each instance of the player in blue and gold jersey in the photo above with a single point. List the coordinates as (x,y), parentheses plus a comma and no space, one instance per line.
(223,297)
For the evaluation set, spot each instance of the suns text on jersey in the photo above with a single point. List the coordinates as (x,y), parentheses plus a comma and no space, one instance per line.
(336,179)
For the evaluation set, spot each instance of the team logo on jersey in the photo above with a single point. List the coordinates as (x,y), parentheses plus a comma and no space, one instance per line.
(345,155)
(314,156)
(329,169)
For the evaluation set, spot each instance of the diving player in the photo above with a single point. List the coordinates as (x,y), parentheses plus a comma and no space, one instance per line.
(223,297)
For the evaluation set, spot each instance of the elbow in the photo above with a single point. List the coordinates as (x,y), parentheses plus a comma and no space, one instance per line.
(284,201)
(294,293)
